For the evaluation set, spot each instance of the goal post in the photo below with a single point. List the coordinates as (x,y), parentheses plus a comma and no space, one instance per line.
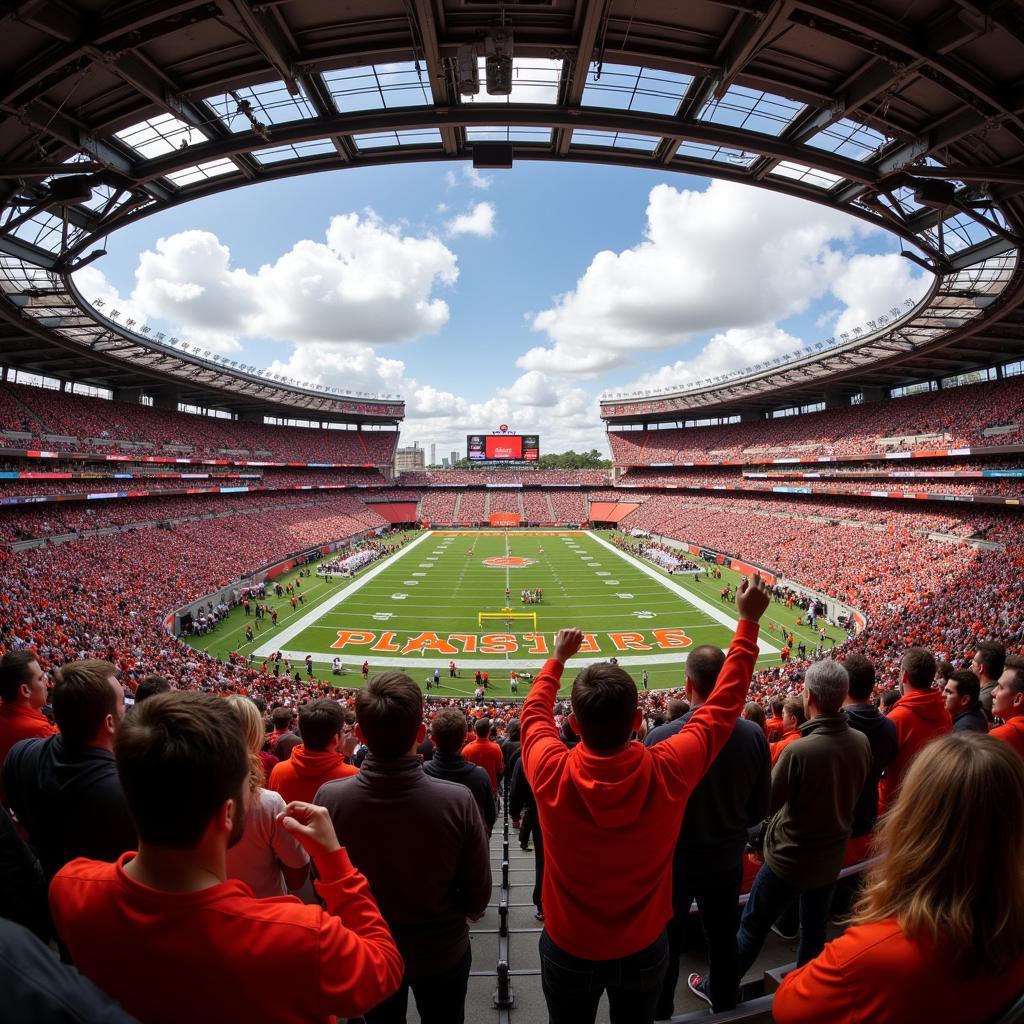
(505,616)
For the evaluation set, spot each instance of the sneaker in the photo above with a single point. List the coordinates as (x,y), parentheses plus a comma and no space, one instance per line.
(782,935)
(527,848)
(698,985)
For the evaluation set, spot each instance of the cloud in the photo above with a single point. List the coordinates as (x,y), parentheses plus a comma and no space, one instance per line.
(478,221)
(366,283)
(725,258)
(871,284)
(469,176)
(728,350)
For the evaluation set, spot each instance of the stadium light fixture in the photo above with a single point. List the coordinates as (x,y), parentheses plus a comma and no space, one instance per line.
(467,70)
(498,62)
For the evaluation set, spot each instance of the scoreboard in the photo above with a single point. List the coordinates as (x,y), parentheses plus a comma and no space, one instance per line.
(503,447)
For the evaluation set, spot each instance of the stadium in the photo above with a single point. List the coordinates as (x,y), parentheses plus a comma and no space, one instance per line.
(845,514)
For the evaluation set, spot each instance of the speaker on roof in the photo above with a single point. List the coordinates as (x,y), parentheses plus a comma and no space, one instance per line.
(492,155)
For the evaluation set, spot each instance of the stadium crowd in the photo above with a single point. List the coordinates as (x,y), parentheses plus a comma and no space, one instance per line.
(100,425)
(956,418)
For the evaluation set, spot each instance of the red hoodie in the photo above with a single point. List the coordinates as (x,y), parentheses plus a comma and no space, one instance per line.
(875,974)
(306,771)
(919,716)
(1012,732)
(610,824)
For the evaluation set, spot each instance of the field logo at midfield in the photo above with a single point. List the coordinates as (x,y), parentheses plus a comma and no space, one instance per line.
(509,562)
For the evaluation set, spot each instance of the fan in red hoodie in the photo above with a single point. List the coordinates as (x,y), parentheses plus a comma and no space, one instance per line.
(22,692)
(919,716)
(1008,704)
(610,811)
(327,739)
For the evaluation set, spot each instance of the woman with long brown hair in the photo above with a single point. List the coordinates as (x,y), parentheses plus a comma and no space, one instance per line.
(938,933)
(267,858)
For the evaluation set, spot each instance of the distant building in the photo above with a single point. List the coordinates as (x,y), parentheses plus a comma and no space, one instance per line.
(409,458)
(445,463)
(433,454)
(455,458)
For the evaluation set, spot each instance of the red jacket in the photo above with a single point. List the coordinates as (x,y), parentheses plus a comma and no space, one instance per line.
(1012,732)
(221,954)
(610,824)
(19,722)
(487,754)
(306,771)
(919,716)
(784,741)
(875,974)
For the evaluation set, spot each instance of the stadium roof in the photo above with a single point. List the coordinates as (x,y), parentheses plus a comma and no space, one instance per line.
(910,118)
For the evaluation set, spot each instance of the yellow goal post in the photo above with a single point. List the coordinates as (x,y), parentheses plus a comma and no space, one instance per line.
(506,615)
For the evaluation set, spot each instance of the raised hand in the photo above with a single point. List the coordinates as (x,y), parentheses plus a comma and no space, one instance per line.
(752,598)
(312,826)
(567,643)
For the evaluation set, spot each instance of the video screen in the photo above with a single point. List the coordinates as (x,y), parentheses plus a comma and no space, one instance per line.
(503,447)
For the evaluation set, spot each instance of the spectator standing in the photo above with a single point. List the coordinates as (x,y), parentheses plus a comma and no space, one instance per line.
(961,695)
(327,739)
(522,807)
(214,952)
(938,935)
(448,733)
(708,862)
(23,692)
(880,731)
(268,858)
(987,664)
(792,719)
(483,751)
(64,789)
(600,803)
(815,787)
(1008,704)
(387,815)
(151,686)
(283,720)
(919,716)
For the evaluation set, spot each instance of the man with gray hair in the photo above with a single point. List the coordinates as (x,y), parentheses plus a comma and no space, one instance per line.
(815,787)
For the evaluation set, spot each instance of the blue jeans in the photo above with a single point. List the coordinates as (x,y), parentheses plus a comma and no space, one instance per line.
(573,987)
(769,897)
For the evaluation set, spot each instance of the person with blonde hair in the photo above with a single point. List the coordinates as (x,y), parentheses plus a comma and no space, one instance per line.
(267,857)
(938,934)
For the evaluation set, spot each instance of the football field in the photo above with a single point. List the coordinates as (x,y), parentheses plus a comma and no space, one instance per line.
(442,597)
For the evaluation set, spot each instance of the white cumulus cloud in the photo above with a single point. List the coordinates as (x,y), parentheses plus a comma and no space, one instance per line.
(728,257)
(478,221)
(873,284)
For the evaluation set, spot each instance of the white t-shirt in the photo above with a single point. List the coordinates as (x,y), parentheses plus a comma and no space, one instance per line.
(264,846)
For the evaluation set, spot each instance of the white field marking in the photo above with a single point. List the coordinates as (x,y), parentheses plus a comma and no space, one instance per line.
(473,662)
(278,640)
(698,602)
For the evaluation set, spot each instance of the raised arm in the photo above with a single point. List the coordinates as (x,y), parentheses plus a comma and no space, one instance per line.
(689,754)
(542,750)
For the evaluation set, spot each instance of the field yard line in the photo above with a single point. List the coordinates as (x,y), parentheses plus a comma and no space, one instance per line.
(278,640)
(698,602)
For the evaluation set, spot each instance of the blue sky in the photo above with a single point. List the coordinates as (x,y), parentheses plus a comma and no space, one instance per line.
(561,281)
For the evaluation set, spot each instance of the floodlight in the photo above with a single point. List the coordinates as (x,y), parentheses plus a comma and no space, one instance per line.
(467,71)
(498,63)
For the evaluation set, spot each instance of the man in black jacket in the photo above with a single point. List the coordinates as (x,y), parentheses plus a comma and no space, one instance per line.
(64,789)
(386,816)
(880,731)
(448,732)
(962,695)
(708,863)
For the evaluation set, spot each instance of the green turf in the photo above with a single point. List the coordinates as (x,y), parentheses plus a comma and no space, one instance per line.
(444,588)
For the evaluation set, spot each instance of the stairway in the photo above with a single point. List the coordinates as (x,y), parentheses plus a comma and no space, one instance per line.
(458,505)
(487,505)
(519,502)
(551,508)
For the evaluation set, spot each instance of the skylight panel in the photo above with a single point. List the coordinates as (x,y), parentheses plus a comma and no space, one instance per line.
(752,110)
(718,154)
(534,80)
(295,151)
(269,103)
(616,140)
(409,137)
(806,175)
(201,172)
(158,135)
(850,139)
(378,86)
(623,87)
(504,133)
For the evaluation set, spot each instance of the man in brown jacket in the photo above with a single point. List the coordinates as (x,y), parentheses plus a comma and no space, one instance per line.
(815,786)
(386,817)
